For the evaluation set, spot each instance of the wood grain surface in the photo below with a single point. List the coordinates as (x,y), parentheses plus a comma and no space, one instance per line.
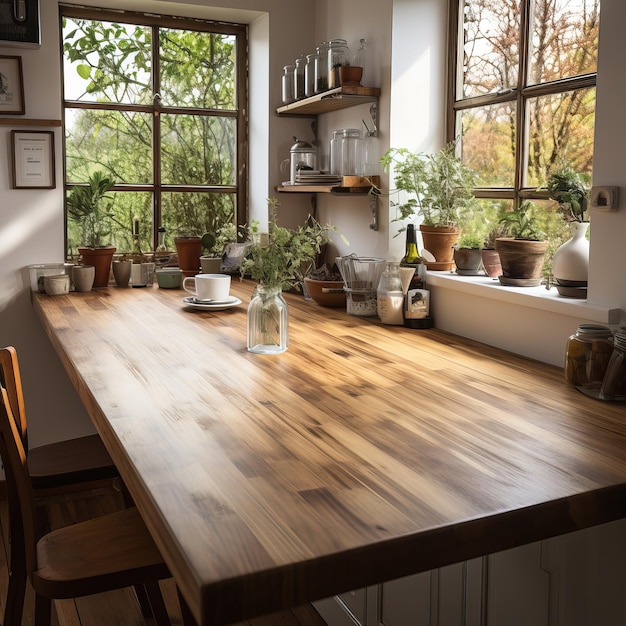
(364,453)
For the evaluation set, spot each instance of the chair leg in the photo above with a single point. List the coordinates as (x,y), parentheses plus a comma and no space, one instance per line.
(159,610)
(43,610)
(188,618)
(16,591)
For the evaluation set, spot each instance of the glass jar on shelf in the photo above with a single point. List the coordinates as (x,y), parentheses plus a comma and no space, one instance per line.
(338,55)
(309,75)
(298,78)
(321,67)
(288,84)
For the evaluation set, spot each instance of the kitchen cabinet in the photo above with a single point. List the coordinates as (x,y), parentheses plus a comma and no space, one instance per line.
(570,580)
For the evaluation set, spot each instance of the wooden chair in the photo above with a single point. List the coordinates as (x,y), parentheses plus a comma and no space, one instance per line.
(103,554)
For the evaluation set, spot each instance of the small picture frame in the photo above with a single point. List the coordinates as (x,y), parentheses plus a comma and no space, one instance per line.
(32,159)
(11,86)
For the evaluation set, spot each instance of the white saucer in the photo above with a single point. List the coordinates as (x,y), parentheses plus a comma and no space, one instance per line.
(211,305)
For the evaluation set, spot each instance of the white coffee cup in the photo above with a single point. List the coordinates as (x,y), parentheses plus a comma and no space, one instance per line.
(208,286)
(83,277)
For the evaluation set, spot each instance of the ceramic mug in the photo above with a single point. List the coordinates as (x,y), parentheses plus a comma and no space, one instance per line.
(137,275)
(121,272)
(208,286)
(169,277)
(83,277)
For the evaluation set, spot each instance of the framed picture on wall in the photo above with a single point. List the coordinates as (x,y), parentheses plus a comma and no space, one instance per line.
(11,86)
(32,159)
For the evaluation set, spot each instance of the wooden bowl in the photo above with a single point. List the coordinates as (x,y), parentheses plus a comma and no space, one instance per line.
(326,292)
(350,75)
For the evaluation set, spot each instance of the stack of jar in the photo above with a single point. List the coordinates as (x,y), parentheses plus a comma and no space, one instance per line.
(315,73)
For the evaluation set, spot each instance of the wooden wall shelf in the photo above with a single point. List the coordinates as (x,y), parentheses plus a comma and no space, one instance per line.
(331,100)
(20,121)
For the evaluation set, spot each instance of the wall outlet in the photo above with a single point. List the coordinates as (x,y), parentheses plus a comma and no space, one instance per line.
(604,198)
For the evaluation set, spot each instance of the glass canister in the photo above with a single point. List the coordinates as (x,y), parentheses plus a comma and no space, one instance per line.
(346,153)
(288,83)
(588,354)
(321,67)
(338,55)
(268,321)
(389,296)
(613,386)
(309,75)
(298,76)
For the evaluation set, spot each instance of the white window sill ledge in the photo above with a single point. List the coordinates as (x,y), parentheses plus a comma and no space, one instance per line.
(532,297)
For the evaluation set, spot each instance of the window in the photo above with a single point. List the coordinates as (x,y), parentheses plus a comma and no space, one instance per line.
(159,105)
(522,91)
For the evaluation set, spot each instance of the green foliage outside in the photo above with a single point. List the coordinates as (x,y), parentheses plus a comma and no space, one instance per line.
(107,63)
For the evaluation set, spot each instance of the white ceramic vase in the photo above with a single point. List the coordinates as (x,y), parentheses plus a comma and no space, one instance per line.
(570,263)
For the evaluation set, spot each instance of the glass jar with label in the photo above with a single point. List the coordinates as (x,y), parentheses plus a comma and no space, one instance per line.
(389,296)
(338,55)
(288,84)
(587,355)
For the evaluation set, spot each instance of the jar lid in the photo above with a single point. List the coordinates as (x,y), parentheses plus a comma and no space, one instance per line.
(620,338)
(594,330)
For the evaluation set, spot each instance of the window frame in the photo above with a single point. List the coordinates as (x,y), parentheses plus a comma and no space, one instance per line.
(240,113)
(520,95)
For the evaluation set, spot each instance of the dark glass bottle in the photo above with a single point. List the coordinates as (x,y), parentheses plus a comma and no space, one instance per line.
(136,256)
(412,258)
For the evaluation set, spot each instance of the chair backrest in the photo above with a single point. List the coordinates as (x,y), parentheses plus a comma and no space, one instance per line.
(12,382)
(20,490)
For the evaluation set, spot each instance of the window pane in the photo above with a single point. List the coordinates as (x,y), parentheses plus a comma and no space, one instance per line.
(195,213)
(490,47)
(198,150)
(488,143)
(106,62)
(560,131)
(197,69)
(117,141)
(564,39)
(123,206)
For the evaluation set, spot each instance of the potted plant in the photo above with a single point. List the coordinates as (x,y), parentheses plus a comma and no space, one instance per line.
(440,187)
(85,206)
(468,251)
(213,245)
(522,253)
(275,259)
(570,263)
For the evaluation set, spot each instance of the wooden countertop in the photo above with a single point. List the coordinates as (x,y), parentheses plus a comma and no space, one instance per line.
(364,453)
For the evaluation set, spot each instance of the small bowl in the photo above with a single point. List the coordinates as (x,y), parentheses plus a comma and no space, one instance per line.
(57,285)
(169,277)
(326,292)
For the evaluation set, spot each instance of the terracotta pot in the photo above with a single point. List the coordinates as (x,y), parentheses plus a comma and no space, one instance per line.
(468,260)
(189,250)
(440,242)
(101,259)
(522,261)
(491,262)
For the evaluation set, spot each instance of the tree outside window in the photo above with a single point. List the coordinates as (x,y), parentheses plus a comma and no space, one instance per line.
(522,91)
(157,104)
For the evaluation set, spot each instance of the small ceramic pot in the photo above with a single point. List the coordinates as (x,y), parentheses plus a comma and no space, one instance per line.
(169,277)
(57,285)
(121,272)
(83,277)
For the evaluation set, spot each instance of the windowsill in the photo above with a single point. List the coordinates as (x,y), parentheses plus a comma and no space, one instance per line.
(532,297)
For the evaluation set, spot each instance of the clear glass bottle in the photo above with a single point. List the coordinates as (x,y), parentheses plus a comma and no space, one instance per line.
(321,67)
(613,386)
(361,59)
(389,296)
(288,82)
(338,55)
(298,78)
(268,321)
(587,355)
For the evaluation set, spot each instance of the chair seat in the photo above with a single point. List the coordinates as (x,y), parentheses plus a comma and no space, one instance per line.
(101,554)
(70,462)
